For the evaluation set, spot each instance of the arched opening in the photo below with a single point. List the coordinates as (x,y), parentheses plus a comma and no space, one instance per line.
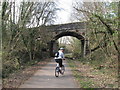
(73,34)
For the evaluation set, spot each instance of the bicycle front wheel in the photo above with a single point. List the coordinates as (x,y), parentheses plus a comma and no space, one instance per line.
(57,71)
(62,69)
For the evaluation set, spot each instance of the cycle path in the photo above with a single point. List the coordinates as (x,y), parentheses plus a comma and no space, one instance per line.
(45,78)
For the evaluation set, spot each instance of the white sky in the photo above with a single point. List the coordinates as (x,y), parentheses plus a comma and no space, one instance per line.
(65,12)
(66,8)
(63,15)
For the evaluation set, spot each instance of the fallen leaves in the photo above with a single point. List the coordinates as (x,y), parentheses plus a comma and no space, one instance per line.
(101,78)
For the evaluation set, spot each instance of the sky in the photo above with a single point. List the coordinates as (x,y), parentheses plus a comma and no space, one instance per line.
(66,6)
(63,15)
(65,12)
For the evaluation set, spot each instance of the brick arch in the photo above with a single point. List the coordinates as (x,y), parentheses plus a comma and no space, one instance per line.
(73,34)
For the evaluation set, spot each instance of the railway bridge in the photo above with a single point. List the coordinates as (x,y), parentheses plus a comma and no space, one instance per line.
(77,29)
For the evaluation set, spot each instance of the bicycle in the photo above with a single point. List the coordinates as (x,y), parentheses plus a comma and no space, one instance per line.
(58,71)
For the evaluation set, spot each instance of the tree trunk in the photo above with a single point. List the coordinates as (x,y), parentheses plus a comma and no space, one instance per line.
(119,42)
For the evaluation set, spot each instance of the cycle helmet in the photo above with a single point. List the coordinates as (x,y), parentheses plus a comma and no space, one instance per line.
(62,49)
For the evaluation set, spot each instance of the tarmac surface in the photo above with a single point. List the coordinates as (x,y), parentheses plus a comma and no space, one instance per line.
(45,78)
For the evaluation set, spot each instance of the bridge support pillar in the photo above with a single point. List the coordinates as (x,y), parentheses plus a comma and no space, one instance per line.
(53,48)
(82,48)
(87,50)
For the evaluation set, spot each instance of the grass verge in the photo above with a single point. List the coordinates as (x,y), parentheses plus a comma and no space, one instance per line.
(89,77)
(78,76)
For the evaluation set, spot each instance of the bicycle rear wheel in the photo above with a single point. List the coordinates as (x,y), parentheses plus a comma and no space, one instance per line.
(57,71)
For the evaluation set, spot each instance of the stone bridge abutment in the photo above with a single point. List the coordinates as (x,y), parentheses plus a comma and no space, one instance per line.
(68,33)
(76,29)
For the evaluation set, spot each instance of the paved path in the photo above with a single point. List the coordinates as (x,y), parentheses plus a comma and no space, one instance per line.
(44,78)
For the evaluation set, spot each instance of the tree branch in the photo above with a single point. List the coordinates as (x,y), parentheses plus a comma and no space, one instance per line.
(107,26)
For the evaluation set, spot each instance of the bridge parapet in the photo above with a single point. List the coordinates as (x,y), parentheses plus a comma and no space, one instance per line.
(80,26)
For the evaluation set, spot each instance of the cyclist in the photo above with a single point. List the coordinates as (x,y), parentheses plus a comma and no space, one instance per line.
(59,56)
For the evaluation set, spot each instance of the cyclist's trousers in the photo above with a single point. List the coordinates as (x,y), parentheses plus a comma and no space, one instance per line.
(59,61)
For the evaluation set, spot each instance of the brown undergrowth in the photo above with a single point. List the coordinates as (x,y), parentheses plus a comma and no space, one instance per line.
(89,76)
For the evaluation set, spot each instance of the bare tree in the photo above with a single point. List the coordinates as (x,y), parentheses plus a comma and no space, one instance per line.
(22,24)
(101,22)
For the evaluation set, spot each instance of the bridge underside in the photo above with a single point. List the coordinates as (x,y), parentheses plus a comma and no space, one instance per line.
(74,34)
(76,29)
